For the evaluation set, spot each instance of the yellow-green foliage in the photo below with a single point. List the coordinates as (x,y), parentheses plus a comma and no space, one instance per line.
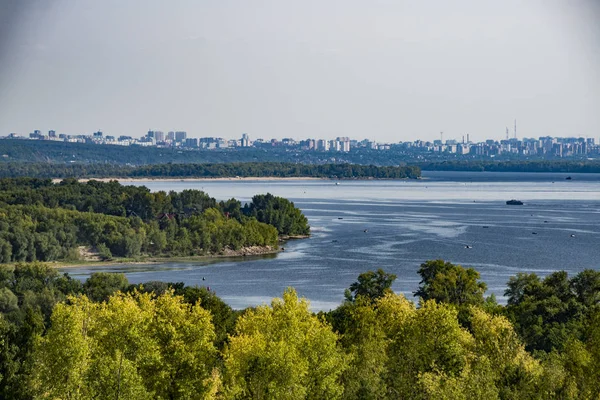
(401,351)
(133,347)
(283,352)
(139,346)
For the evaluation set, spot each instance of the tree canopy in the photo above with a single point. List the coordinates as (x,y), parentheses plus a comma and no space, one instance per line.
(40,220)
(449,283)
(371,285)
(104,338)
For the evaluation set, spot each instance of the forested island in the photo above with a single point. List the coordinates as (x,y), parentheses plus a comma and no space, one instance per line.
(105,338)
(73,221)
(216,170)
(574,166)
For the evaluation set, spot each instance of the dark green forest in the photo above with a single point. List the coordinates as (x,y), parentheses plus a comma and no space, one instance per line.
(105,338)
(574,166)
(219,170)
(44,221)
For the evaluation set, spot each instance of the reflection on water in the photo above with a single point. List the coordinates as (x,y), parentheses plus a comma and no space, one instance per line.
(407,222)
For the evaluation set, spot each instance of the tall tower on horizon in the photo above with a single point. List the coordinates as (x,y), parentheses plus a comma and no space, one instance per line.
(507,133)
(515,128)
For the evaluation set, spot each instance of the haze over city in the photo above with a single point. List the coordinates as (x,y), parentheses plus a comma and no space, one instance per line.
(385,70)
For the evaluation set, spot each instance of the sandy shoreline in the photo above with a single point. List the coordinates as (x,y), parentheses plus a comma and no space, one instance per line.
(244,253)
(264,178)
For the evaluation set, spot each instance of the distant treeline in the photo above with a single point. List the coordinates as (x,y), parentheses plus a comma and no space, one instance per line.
(217,170)
(515,166)
(40,220)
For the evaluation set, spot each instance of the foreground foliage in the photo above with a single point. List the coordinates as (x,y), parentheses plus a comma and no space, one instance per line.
(105,338)
(133,346)
(283,352)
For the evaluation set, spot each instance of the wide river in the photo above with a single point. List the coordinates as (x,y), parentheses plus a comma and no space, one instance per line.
(396,225)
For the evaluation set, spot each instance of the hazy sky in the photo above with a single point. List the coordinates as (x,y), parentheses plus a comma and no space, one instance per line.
(389,70)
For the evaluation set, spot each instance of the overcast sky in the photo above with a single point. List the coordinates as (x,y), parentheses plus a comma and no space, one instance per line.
(388,70)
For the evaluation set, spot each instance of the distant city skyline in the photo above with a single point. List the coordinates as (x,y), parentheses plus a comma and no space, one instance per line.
(443,135)
(178,135)
(179,138)
(545,147)
(386,71)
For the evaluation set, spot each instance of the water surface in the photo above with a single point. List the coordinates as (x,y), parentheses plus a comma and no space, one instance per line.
(397,225)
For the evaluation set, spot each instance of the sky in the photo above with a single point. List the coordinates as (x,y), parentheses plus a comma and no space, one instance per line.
(386,70)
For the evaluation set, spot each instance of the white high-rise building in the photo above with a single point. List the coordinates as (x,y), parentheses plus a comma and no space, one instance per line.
(245,141)
(322,145)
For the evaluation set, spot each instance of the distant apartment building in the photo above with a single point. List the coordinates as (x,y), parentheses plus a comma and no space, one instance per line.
(322,145)
(463,149)
(36,134)
(159,136)
(245,140)
(308,144)
(209,142)
(155,136)
(147,141)
(191,142)
(342,144)
(180,136)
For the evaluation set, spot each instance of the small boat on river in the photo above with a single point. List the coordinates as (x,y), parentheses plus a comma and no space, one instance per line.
(514,202)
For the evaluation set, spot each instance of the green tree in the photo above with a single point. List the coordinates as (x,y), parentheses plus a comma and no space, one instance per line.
(104,252)
(586,286)
(8,300)
(101,285)
(366,343)
(449,283)
(223,316)
(509,367)
(428,339)
(184,335)
(371,285)
(279,212)
(133,346)
(63,356)
(283,352)
(546,313)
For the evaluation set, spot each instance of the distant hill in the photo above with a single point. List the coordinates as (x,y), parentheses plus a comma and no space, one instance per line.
(88,156)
